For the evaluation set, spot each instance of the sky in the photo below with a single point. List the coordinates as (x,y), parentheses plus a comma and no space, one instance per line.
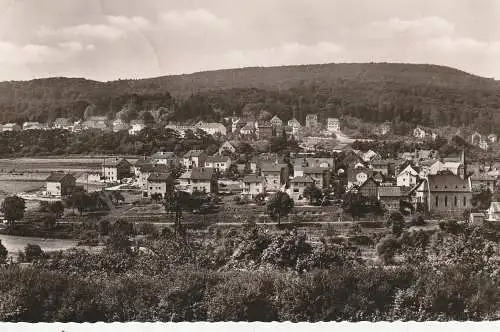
(112,39)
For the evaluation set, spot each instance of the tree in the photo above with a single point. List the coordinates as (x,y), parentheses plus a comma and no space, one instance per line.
(386,249)
(3,253)
(156,197)
(280,204)
(13,208)
(482,199)
(57,208)
(32,252)
(117,197)
(397,223)
(313,193)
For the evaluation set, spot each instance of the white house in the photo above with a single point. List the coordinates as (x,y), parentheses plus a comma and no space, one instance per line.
(419,133)
(297,186)
(194,158)
(198,179)
(494,211)
(212,128)
(407,177)
(218,162)
(136,126)
(227,147)
(252,185)
(333,124)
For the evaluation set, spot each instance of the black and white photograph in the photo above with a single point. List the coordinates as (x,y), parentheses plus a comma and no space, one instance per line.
(249,161)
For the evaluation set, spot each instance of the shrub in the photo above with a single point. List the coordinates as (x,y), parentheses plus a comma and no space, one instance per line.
(32,252)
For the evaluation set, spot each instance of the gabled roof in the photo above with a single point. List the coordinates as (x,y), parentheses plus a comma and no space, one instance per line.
(275,119)
(202,173)
(494,207)
(217,159)
(253,179)
(448,183)
(113,162)
(142,161)
(482,177)
(392,191)
(57,177)
(163,155)
(160,177)
(314,170)
(272,167)
(193,153)
(302,179)
(153,168)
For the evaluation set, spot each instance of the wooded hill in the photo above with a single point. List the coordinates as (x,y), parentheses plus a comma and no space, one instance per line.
(406,94)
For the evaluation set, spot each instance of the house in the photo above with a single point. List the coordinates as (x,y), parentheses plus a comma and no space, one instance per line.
(139,163)
(248,129)
(408,177)
(252,185)
(390,196)
(218,162)
(276,122)
(356,177)
(483,181)
(483,145)
(320,175)
(96,122)
(227,147)
(295,125)
(297,186)
(476,138)
(136,126)
(34,126)
(115,169)
(493,138)
(494,211)
(419,133)
(369,188)
(312,121)
(454,167)
(194,158)
(370,155)
(234,124)
(62,123)
(257,161)
(444,193)
(383,129)
(198,179)
(159,184)
(384,166)
(276,175)
(212,128)
(119,125)
(333,125)
(60,184)
(164,158)
(265,131)
(145,171)
(11,127)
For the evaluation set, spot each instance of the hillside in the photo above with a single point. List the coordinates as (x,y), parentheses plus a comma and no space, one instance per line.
(406,94)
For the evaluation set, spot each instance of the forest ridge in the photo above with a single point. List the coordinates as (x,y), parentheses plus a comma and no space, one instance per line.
(413,94)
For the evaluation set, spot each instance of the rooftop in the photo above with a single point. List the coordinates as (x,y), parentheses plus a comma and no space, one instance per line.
(448,183)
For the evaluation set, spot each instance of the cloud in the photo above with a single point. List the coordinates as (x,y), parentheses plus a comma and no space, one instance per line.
(424,26)
(13,54)
(188,18)
(285,54)
(97,31)
(129,23)
(463,44)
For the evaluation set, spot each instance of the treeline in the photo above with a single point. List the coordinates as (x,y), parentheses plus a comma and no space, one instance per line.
(406,95)
(62,142)
(248,274)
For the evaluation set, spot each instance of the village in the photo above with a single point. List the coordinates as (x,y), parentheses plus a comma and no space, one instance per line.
(324,170)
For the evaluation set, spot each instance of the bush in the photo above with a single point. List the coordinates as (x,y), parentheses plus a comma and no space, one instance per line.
(32,252)
(360,240)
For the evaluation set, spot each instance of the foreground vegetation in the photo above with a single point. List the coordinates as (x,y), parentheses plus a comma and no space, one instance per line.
(257,275)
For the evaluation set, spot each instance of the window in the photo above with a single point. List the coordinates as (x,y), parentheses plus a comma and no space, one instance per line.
(437,201)
(445,200)
(456,201)
(465,202)
(296,190)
